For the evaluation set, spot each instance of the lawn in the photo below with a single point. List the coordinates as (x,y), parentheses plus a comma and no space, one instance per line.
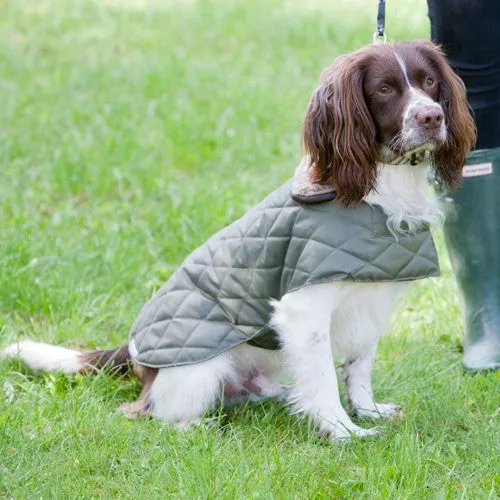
(130,131)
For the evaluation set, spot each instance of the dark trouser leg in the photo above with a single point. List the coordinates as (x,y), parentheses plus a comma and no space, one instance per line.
(469,31)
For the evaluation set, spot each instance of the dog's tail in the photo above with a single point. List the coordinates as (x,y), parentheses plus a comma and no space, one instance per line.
(47,357)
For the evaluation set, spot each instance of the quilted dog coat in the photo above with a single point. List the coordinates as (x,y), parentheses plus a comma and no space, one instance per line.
(220,296)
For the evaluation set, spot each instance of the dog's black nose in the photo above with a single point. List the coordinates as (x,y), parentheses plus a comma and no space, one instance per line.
(430,117)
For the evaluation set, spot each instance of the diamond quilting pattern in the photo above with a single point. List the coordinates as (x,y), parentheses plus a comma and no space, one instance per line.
(219,297)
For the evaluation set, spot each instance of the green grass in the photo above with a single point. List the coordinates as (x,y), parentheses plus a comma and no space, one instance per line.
(130,131)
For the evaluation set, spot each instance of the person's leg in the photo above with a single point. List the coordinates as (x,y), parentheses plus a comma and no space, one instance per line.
(468,31)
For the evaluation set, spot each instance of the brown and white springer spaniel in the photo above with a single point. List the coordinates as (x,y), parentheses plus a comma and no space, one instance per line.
(379,117)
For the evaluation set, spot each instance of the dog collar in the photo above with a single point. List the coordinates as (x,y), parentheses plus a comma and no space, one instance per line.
(414,157)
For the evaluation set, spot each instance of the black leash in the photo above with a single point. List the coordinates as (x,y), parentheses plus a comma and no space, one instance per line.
(380,31)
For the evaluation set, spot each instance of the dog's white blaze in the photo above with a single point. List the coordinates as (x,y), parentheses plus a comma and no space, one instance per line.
(403,69)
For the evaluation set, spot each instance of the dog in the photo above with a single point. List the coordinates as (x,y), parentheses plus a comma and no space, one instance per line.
(381,117)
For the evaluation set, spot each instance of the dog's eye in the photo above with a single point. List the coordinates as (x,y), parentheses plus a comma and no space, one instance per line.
(384,89)
(429,81)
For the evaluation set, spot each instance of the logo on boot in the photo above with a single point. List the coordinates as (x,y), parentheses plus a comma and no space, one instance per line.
(478,170)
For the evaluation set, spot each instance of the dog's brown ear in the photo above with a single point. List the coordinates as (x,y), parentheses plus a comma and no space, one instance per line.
(339,133)
(461,129)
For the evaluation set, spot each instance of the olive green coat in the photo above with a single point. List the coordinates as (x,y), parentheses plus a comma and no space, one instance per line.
(220,296)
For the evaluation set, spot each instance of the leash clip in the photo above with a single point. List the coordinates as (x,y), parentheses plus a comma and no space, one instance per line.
(379,37)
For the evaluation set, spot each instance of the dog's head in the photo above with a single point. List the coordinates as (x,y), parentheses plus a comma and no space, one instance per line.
(383,102)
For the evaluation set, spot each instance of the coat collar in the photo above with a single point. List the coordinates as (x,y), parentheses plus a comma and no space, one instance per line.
(307,192)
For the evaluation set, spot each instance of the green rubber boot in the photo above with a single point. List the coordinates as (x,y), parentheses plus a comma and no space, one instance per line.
(472,233)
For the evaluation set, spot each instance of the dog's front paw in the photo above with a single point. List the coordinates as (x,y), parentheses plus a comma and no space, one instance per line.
(341,434)
(389,411)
